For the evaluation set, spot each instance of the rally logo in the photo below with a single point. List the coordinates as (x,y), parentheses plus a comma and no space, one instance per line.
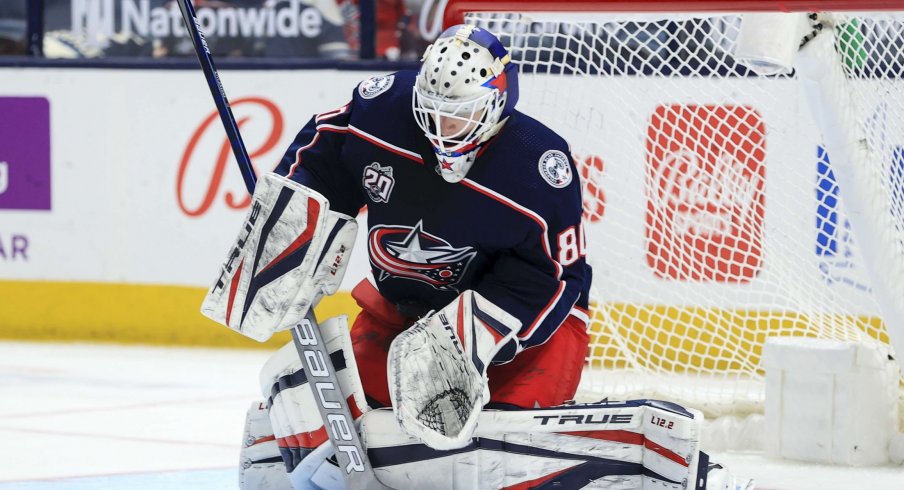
(378,182)
(375,86)
(407,252)
(705,188)
(555,169)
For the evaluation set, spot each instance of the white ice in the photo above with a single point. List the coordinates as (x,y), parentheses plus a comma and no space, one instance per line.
(86,417)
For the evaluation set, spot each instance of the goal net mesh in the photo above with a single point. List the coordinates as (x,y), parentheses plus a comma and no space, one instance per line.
(714,219)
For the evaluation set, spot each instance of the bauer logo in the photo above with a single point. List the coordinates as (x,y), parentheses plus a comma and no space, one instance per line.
(705,181)
(24,153)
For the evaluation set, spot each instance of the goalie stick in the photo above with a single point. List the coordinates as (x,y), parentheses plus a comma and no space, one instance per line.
(331,402)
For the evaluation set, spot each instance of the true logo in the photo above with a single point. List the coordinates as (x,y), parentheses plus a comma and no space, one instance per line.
(618,418)
(378,182)
(237,248)
(374,86)
(555,169)
(448,326)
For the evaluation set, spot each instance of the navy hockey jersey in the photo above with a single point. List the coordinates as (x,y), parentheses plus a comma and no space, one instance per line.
(511,230)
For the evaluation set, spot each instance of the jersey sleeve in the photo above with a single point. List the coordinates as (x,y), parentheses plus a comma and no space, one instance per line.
(546,278)
(314,159)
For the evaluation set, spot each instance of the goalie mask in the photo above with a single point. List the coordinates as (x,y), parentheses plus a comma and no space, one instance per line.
(466,89)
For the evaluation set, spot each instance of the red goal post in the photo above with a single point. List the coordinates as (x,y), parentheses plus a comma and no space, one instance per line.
(456,9)
(721,210)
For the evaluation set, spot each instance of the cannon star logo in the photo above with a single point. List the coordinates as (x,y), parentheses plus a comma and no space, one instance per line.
(408,252)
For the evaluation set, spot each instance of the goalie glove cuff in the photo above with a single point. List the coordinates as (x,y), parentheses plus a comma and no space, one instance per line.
(482,328)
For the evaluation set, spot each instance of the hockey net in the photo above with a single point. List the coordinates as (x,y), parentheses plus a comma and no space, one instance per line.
(714,209)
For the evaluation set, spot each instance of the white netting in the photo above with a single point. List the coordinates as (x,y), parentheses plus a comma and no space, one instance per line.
(714,217)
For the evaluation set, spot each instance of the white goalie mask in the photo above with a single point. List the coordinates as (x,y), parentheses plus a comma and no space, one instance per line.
(466,89)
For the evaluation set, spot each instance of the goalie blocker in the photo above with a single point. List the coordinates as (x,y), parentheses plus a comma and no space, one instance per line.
(292,250)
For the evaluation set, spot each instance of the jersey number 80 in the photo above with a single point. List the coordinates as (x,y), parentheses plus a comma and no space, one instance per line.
(572,244)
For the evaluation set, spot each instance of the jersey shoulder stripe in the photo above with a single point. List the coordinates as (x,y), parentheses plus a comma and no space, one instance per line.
(364,135)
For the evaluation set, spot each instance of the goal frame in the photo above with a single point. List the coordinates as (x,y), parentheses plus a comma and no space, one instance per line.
(456,10)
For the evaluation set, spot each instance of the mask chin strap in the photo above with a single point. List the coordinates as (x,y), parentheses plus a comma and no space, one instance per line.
(464,157)
(454,166)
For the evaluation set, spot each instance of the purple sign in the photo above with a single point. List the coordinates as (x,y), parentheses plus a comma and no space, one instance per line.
(24,153)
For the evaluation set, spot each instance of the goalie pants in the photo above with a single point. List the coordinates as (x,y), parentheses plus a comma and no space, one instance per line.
(543,376)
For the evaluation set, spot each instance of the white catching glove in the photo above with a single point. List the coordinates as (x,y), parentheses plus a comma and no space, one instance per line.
(437,369)
(292,251)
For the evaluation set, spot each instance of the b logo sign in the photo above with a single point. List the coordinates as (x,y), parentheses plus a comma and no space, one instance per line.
(215,175)
(705,192)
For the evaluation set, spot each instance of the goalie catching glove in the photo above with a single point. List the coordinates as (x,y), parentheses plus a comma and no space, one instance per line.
(437,369)
(292,250)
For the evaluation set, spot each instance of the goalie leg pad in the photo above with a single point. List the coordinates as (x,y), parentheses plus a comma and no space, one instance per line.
(292,251)
(262,467)
(260,464)
(635,444)
(297,426)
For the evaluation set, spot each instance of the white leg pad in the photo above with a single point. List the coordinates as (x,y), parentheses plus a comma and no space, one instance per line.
(260,464)
(298,429)
(636,444)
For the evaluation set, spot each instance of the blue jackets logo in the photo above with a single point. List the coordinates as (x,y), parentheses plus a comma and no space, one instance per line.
(406,252)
